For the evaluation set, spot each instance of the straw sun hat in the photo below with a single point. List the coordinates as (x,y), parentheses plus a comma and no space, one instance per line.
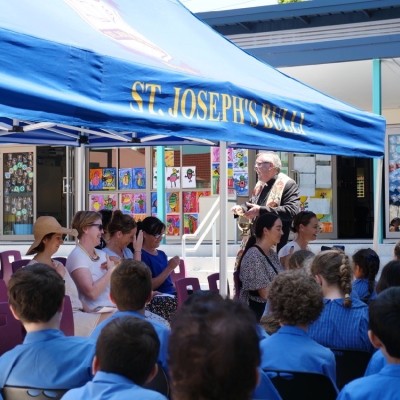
(45,225)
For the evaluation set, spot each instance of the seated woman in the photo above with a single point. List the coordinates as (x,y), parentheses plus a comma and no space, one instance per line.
(296,301)
(259,263)
(365,268)
(89,267)
(306,227)
(343,323)
(122,233)
(49,235)
(161,268)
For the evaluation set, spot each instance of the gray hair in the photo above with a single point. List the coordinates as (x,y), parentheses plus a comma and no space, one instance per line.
(273,158)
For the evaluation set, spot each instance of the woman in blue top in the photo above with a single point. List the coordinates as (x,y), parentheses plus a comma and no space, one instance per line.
(366,266)
(161,268)
(343,323)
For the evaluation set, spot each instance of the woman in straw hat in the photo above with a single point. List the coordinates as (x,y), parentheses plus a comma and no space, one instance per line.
(49,235)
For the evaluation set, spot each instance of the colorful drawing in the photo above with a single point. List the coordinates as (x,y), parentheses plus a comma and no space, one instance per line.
(140,203)
(95,202)
(139,217)
(173,225)
(240,159)
(215,154)
(125,178)
(190,202)
(172,202)
(154,178)
(241,183)
(110,201)
(172,177)
(102,201)
(229,154)
(190,223)
(109,178)
(126,203)
(189,177)
(154,203)
(139,178)
(169,158)
(95,179)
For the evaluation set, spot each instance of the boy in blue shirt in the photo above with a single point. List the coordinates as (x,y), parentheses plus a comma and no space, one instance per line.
(126,359)
(384,320)
(47,359)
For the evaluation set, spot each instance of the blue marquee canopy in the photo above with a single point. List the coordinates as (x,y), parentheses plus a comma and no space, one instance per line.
(126,72)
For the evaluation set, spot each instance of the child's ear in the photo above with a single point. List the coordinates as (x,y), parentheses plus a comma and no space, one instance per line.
(152,374)
(14,313)
(376,342)
(95,365)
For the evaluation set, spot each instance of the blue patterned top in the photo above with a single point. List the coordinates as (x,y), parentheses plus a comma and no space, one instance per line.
(360,287)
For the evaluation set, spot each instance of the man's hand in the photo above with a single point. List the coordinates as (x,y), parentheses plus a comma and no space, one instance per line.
(253,211)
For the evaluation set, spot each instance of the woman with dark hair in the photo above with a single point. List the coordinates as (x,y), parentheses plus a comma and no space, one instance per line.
(365,268)
(161,268)
(343,323)
(306,226)
(259,263)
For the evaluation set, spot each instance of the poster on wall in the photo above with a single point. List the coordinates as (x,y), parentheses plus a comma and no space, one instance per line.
(125,178)
(189,200)
(190,223)
(172,177)
(173,224)
(95,179)
(172,202)
(153,204)
(99,202)
(139,203)
(139,178)
(109,178)
(126,202)
(189,177)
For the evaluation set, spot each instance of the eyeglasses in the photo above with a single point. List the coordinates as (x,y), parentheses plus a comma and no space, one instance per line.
(159,235)
(100,226)
(260,164)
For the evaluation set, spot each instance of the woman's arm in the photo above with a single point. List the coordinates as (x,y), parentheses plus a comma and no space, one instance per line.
(160,278)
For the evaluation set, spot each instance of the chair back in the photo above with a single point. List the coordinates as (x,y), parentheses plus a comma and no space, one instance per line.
(3,292)
(10,329)
(181,273)
(17,264)
(62,260)
(350,364)
(6,258)
(160,383)
(24,393)
(213,281)
(67,318)
(185,287)
(294,385)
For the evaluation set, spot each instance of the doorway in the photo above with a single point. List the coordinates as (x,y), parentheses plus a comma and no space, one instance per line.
(354,198)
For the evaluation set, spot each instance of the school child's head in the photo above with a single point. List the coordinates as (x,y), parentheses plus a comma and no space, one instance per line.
(301,259)
(390,276)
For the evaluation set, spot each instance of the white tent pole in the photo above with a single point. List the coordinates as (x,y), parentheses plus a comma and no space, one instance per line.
(80,175)
(378,163)
(223,245)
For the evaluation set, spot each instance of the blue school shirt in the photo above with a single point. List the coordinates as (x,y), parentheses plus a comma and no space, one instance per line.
(108,386)
(360,287)
(48,359)
(376,363)
(343,328)
(162,332)
(383,386)
(291,349)
(157,264)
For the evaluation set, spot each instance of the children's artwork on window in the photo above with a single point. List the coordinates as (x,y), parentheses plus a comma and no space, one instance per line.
(172,177)
(215,154)
(125,178)
(173,225)
(189,202)
(154,178)
(154,204)
(126,203)
(109,178)
(102,202)
(139,178)
(215,178)
(140,203)
(230,176)
(139,217)
(241,183)
(169,158)
(95,179)
(172,202)
(188,177)
(240,159)
(190,223)
(229,154)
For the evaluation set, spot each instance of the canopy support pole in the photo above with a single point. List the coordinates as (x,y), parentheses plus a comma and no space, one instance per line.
(223,245)
(161,185)
(377,162)
(80,178)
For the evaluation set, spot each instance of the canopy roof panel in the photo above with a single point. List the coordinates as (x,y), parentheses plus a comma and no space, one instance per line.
(118,72)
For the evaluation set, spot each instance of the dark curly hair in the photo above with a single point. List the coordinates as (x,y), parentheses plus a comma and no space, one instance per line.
(295,298)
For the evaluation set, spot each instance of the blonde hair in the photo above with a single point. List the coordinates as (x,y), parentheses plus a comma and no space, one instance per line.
(82,219)
(334,266)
